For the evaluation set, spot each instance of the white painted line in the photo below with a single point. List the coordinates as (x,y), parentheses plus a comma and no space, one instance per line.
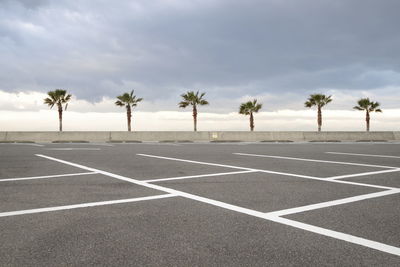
(292,174)
(332,203)
(230,166)
(322,231)
(362,174)
(316,160)
(27,144)
(70,148)
(364,155)
(85,144)
(338,235)
(21,144)
(361,184)
(84,205)
(46,177)
(197,162)
(197,176)
(273,172)
(156,144)
(235,167)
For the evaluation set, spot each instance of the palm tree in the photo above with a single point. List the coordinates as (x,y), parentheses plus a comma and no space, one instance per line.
(368,106)
(129,101)
(249,108)
(58,97)
(318,100)
(194,99)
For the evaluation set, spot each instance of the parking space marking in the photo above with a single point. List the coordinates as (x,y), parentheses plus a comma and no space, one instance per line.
(27,144)
(46,177)
(362,174)
(339,235)
(307,227)
(84,144)
(361,184)
(231,166)
(155,144)
(83,205)
(272,172)
(316,160)
(364,155)
(333,203)
(198,162)
(21,144)
(197,176)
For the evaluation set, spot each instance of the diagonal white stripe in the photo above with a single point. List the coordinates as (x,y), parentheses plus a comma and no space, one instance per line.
(84,205)
(362,174)
(332,203)
(322,231)
(197,176)
(315,160)
(274,172)
(46,177)
(364,155)
(197,162)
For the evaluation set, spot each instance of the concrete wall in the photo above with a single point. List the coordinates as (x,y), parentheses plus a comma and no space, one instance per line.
(216,136)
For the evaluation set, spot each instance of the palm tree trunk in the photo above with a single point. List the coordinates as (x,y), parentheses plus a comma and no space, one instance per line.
(128,116)
(60,117)
(195,118)
(367,120)
(319,119)
(251,121)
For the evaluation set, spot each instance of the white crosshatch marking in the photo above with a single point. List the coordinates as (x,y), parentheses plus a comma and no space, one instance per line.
(267,216)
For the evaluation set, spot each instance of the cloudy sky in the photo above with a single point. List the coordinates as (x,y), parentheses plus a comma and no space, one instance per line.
(278,51)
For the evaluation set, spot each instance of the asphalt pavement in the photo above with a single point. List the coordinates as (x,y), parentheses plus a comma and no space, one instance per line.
(200,204)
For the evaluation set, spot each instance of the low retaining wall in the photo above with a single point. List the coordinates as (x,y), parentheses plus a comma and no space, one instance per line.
(217,136)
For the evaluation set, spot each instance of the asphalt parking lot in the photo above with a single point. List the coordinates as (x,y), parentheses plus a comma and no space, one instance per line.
(178,204)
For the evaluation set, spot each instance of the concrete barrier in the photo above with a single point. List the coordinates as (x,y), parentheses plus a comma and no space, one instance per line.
(396,135)
(288,136)
(3,136)
(216,136)
(32,136)
(159,136)
(84,136)
(349,136)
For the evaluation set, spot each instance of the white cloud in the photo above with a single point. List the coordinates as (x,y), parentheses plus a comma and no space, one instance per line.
(290,120)
(25,111)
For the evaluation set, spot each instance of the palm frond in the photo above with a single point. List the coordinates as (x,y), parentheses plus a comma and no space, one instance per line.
(319,100)
(57,97)
(128,100)
(249,107)
(368,105)
(192,98)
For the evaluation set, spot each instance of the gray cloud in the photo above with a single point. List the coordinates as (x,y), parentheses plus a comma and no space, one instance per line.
(228,48)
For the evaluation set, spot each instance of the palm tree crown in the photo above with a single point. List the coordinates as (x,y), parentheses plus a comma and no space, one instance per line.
(368,106)
(129,101)
(194,99)
(318,100)
(249,108)
(58,97)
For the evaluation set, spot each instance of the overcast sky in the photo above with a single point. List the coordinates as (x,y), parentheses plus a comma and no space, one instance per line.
(279,51)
